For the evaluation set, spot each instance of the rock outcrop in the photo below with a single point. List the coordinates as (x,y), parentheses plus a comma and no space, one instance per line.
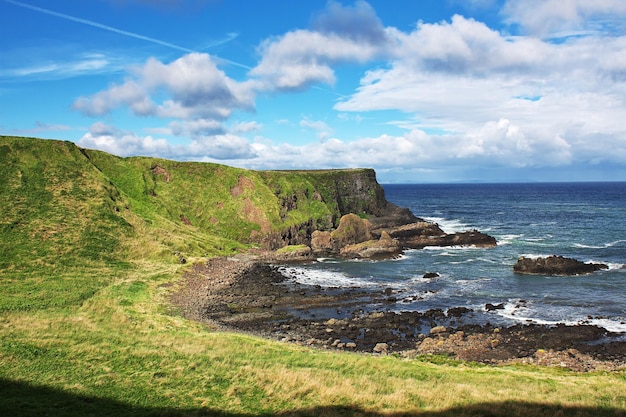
(421,234)
(351,230)
(555,265)
(360,221)
(364,238)
(386,246)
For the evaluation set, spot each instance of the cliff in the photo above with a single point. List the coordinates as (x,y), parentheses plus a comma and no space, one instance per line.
(62,203)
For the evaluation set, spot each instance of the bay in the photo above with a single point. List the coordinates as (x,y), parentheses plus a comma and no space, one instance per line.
(586,221)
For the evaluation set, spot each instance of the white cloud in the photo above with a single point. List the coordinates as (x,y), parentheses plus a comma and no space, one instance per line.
(110,139)
(359,23)
(300,58)
(495,99)
(218,147)
(323,130)
(472,96)
(554,18)
(130,94)
(195,128)
(246,127)
(195,87)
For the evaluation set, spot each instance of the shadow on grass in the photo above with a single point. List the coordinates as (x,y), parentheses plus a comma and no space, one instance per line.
(20,399)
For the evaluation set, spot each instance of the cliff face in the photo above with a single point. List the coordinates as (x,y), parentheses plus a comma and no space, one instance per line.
(168,206)
(354,191)
(319,198)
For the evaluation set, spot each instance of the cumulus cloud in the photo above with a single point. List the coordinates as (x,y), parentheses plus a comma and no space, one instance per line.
(110,139)
(118,142)
(340,34)
(195,88)
(359,23)
(471,95)
(549,18)
(487,97)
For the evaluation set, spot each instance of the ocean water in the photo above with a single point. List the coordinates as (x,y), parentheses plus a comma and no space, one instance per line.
(586,221)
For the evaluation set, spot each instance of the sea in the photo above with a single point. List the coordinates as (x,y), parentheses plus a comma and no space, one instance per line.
(585,221)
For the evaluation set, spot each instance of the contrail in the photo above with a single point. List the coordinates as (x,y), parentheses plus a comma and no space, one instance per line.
(116,30)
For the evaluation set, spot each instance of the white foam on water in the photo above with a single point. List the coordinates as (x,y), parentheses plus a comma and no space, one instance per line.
(616,326)
(465,261)
(487,260)
(508,239)
(534,255)
(605,246)
(324,278)
(523,312)
(447,225)
(471,285)
(612,266)
(445,250)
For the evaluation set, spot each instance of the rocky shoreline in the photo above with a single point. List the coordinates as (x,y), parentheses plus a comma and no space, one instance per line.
(246,293)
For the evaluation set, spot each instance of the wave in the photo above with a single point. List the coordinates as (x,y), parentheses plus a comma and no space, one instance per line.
(445,250)
(324,278)
(447,225)
(605,246)
(508,239)
(535,255)
(527,313)
(612,265)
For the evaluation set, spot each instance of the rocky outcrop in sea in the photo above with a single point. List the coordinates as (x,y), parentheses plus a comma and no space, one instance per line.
(555,265)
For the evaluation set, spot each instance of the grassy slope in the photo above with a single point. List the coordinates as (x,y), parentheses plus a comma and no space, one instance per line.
(85,329)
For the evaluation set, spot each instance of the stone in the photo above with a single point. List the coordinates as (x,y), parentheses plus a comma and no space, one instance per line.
(381,348)
(351,230)
(383,247)
(458,311)
(438,330)
(321,242)
(554,265)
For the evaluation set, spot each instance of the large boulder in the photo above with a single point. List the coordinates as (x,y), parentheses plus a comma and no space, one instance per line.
(384,247)
(555,265)
(321,242)
(351,230)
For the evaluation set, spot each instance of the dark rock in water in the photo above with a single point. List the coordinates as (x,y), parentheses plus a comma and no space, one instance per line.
(431,275)
(555,265)
(471,238)
(493,307)
(435,313)
(421,234)
(458,311)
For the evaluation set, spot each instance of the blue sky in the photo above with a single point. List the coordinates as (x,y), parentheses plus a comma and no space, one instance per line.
(422,91)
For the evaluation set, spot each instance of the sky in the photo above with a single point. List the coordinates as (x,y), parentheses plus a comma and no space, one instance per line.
(423,91)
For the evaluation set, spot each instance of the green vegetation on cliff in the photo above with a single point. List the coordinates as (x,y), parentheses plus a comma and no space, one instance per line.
(91,244)
(66,205)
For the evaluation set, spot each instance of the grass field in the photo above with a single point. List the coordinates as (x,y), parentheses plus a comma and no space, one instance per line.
(86,328)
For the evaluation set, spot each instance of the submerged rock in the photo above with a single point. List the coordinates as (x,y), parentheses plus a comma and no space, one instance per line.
(555,265)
